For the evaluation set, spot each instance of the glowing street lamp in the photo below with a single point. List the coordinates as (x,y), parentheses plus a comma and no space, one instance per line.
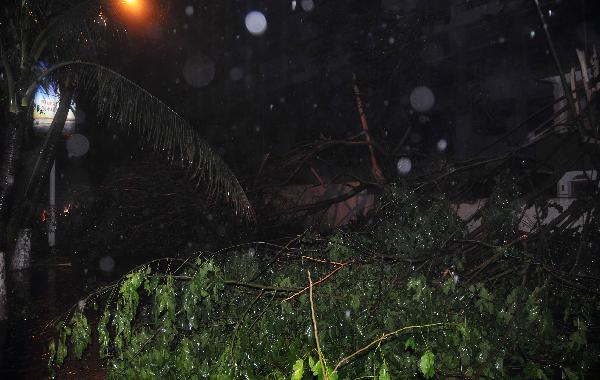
(132,5)
(135,12)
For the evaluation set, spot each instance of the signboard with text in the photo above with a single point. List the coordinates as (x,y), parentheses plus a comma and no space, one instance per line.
(45,105)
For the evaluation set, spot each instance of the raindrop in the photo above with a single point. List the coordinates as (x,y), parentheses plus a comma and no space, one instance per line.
(236,73)
(391,40)
(442,145)
(307,5)
(293,5)
(256,23)
(77,145)
(422,99)
(532,34)
(10,180)
(404,165)
(198,70)
(106,264)
(189,10)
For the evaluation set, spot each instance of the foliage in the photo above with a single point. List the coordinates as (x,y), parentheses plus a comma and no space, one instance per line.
(411,225)
(246,312)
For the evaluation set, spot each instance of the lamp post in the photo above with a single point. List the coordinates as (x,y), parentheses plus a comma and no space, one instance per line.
(52,207)
(46,103)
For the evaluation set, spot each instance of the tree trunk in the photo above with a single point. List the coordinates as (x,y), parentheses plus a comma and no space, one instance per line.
(3,303)
(31,183)
(12,141)
(22,254)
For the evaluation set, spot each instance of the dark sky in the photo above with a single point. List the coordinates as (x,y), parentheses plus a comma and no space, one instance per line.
(253,94)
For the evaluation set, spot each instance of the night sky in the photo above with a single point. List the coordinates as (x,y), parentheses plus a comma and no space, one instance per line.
(254,94)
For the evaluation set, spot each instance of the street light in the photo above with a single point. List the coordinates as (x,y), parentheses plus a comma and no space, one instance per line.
(132,5)
(135,13)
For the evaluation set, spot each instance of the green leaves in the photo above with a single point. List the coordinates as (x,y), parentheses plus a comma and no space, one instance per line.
(80,333)
(413,224)
(103,334)
(410,344)
(317,370)
(187,323)
(384,373)
(127,306)
(78,330)
(298,370)
(165,302)
(426,364)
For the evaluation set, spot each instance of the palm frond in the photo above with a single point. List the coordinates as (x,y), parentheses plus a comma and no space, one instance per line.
(126,104)
(72,28)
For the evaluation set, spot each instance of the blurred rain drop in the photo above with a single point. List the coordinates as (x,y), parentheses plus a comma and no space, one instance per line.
(236,73)
(189,10)
(77,145)
(106,264)
(307,5)
(256,23)
(422,99)
(442,145)
(404,165)
(198,70)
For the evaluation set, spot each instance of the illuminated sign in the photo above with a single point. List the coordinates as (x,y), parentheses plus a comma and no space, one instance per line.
(45,105)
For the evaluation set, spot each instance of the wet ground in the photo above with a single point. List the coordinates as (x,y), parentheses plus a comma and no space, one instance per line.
(36,298)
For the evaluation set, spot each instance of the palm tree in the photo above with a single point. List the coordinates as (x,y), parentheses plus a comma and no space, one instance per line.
(63,32)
